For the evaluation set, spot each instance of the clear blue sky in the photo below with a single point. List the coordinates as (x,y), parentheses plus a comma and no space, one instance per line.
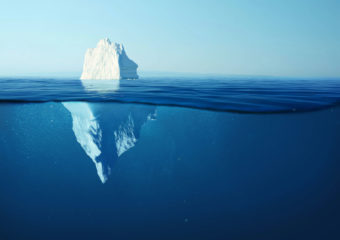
(257,37)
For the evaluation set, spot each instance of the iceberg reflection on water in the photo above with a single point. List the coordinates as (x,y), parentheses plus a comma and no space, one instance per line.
(100,86)
(103,134)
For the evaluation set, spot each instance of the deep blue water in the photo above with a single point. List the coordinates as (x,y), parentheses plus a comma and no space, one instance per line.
(252,94)
(104,168)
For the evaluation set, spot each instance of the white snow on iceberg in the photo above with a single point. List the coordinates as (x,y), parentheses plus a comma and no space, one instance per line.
(108,61)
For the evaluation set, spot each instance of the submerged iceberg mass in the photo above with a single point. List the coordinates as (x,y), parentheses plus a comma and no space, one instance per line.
(88,133)
(108,61)
(105,135)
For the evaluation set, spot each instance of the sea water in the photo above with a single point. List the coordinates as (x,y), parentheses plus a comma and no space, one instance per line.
(170,158)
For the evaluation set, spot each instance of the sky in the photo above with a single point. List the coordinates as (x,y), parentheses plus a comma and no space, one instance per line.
(297,38)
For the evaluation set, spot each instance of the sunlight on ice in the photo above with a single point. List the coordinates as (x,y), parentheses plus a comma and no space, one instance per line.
(108,61)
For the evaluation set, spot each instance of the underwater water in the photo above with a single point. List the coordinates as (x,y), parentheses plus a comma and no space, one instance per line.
(148,159)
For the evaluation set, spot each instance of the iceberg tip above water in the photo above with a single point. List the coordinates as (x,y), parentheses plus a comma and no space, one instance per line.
(108,61)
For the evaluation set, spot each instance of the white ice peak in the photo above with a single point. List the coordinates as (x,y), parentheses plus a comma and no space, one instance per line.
(108,61)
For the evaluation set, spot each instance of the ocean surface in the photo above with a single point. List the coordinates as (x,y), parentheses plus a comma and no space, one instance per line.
(170,158)
(239,94)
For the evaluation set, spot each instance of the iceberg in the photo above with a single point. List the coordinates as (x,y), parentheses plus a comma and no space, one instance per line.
(105,135)
(88,134)
(108,61)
